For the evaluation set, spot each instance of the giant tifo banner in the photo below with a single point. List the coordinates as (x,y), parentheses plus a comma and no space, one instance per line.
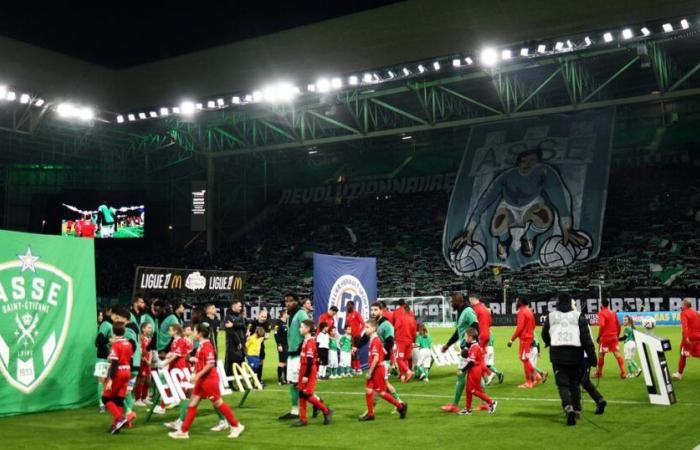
(179,282)
(530,191)
(341,279)
(382,186)
(47,322)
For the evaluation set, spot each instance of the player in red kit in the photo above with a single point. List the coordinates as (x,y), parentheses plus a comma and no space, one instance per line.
(483,317)
(376,381)
(328,318)
(179,350)
(525,331)
(474,368)
(354,320)
(118,378)
(608,333)
(690,341)
(405,330)
(308,372)
(206,385)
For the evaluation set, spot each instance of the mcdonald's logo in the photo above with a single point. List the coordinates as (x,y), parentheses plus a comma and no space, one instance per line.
(247,374)
(176,282)
(238,283)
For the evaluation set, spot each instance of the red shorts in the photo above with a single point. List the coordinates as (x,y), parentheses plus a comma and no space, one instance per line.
(609,344)
(120,383)
(692,349)
(208,388)
(309,387)
(524,349)
(377,382)
(474,379)
(145,370)
(404,350)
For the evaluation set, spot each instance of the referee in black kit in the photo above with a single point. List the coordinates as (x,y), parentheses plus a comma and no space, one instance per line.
(572,351)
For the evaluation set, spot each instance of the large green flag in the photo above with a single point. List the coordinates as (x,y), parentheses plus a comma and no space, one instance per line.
(47,322)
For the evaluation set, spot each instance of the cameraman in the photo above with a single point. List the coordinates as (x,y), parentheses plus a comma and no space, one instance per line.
(566,331)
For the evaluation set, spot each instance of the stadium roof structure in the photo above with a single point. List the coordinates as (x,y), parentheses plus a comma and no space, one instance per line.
(412,67)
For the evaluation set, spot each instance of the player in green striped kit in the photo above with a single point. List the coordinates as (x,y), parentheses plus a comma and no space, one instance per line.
(466,318)
(346,352)
(294,340)
(630,348)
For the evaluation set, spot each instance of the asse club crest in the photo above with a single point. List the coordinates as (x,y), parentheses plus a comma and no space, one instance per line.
(36,300)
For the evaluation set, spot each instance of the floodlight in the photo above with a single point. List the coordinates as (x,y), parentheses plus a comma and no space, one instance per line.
(608,37)
(587,40)
(667,27)
(367,78)
(645,31)
(131,117)
(489,57)
(199,106)
(153,114)
(506,54)
(164,111)
(436,65)
(187,108)
(11,96)
(627,34)
(353,80)
(248,98)
(236,100)
(311,88)
(211,104)
(390,74)
(313,152)
(3,92)
(406,72)
(39,102)
(323,85)
(24,99)
(336,83)
(541,48)
(219,102)
(469,61)
(142,115)
(524,51)
(559,46)
(120,119)
(257,96)
(176,110)
(421,69)
(684,24)
(65,109)
(86,113)
(456,62)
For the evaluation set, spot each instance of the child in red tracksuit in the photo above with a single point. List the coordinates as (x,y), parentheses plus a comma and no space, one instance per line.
(118,377)
(143,380)
(475,369)
(308,375)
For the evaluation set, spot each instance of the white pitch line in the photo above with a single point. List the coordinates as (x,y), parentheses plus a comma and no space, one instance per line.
(516,399)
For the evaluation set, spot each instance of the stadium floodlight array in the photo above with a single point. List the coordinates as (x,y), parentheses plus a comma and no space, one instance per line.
(69,110)
(489,57)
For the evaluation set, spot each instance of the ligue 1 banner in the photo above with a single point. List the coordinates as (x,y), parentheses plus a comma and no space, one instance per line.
(341,279)
(47,323)
(185,282)
(530,191)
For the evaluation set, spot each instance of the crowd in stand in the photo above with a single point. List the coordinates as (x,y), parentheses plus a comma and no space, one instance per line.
(651,240)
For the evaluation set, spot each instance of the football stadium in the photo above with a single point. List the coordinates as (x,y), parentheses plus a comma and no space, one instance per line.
(353,225)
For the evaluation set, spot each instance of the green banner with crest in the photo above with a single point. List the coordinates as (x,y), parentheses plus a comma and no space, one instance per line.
(47,323)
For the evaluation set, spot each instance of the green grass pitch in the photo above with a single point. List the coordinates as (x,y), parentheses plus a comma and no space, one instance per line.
(525,418)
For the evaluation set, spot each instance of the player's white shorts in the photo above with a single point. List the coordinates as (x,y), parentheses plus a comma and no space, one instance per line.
(630,350)
(423,358)
(518,212)
(533,356)
(293,367)
(490,355)
(101,368)
(387,369)
(107,230)
(333,359)
(345,359)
